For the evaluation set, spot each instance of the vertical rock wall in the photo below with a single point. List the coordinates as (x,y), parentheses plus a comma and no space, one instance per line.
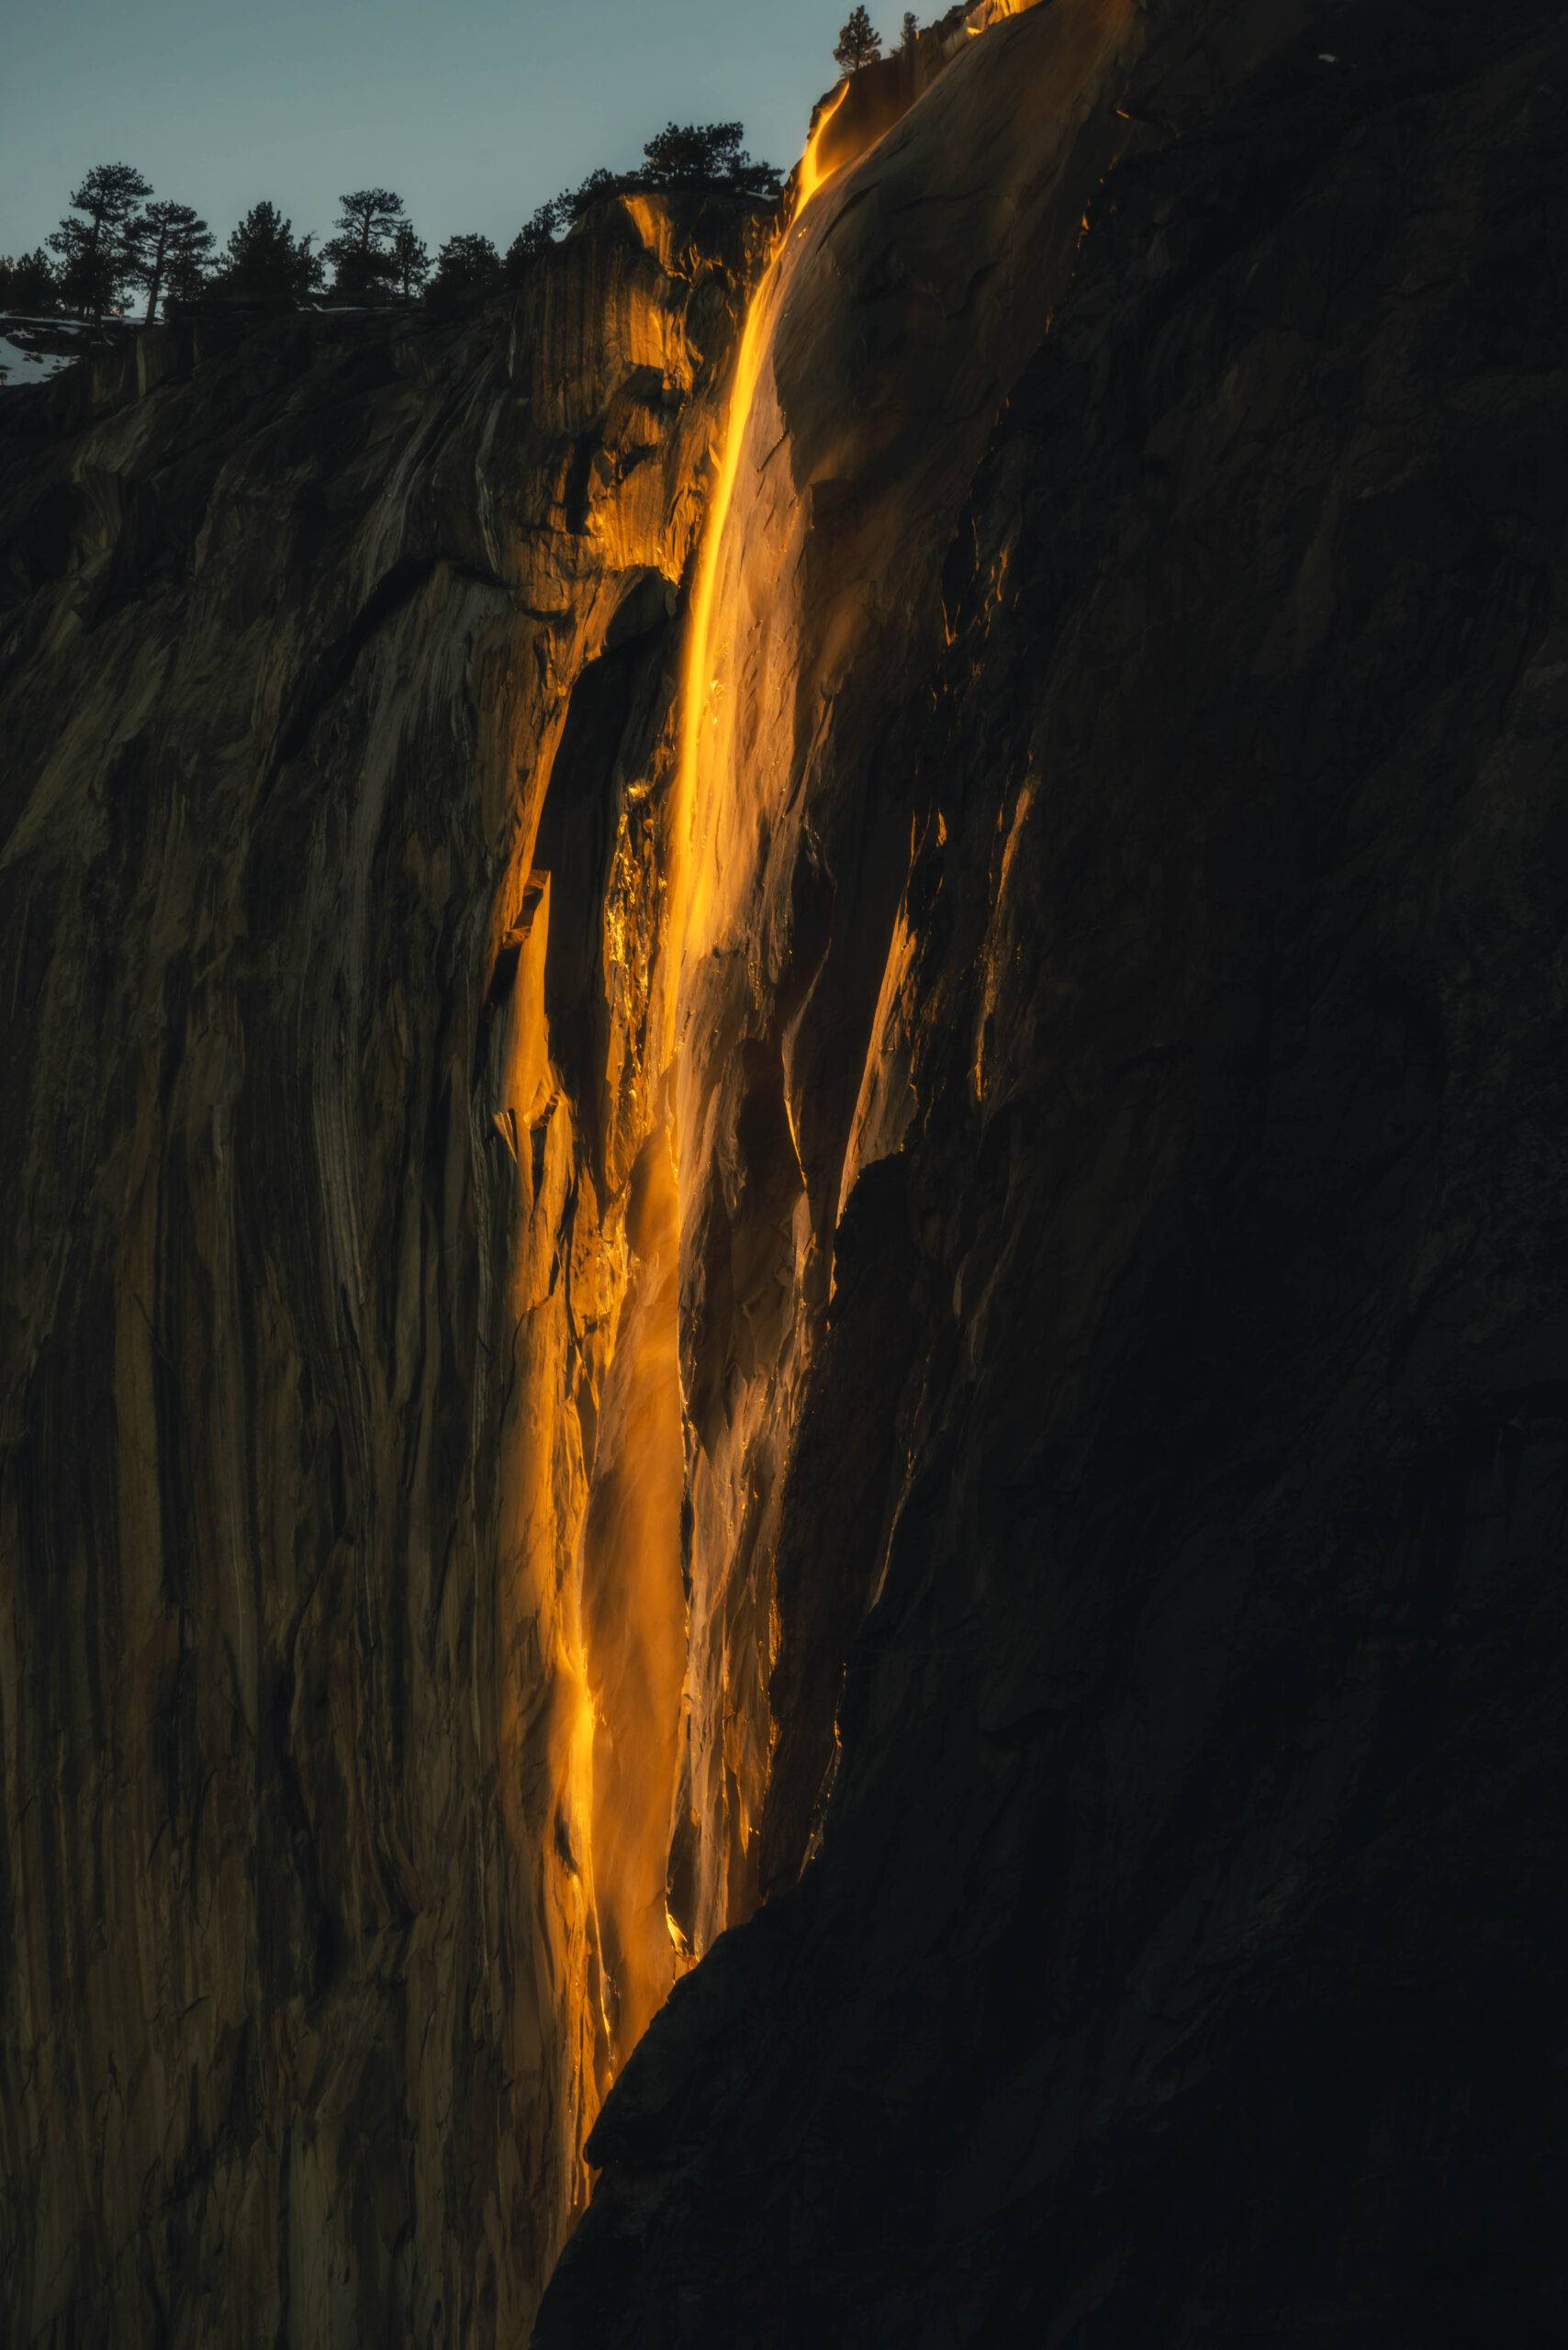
(904,300)
(1032,1439)
(1139,921)
(338,706)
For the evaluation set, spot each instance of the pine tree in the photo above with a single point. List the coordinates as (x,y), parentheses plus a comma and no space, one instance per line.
(266,261)
(690,153)
(361,252)
(465,265)
(578,202)
(28,282)
(411,260)
(911,31)
(92,249)
(188,276)
(163,242)
(859,43)
(536,236)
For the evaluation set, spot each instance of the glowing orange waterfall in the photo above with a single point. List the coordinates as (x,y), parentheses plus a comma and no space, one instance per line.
(634,1611)
(697,684)
(630,1671)
(657,1389)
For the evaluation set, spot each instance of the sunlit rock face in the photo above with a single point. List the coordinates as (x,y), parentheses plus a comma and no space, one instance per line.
(1123,1125)
(932,1336)
(340,691)
(900,307)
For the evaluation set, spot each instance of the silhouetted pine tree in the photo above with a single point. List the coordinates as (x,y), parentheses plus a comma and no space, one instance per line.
(28,282)
(536,236)
(691,154)
(683,154)
(267,261)
(165,242)
(576,202)
(411,260)
(90,241)
(187,277)
(859,43)
(465,266)
(361,253)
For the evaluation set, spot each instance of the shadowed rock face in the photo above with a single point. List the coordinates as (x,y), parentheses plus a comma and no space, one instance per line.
(1034,1444)
(1168,1556)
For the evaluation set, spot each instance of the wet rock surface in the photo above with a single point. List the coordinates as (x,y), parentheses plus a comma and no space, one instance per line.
(1173,1538)
(1101,1230)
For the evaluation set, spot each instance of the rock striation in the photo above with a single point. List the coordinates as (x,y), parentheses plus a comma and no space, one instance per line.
(1148,702)
(314,1261)
(918,1359)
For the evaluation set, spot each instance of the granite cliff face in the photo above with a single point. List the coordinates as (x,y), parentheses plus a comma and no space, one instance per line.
(915,1280)
(318,1240)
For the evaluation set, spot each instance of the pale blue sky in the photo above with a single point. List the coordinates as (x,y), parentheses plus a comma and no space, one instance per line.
(474,111)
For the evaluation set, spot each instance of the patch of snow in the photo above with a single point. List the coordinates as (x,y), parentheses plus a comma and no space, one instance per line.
(19,366)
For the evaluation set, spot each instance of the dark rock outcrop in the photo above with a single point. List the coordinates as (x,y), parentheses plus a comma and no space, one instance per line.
(1172,1537)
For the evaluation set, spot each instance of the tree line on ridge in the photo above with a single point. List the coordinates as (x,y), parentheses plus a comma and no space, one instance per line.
(119,247)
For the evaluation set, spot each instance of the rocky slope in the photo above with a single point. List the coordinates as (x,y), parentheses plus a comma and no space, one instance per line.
(935,1303)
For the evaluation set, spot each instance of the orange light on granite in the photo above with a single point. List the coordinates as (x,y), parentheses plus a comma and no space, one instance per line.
(634,1612)
(700,689)
(813,173)
(633,1597)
